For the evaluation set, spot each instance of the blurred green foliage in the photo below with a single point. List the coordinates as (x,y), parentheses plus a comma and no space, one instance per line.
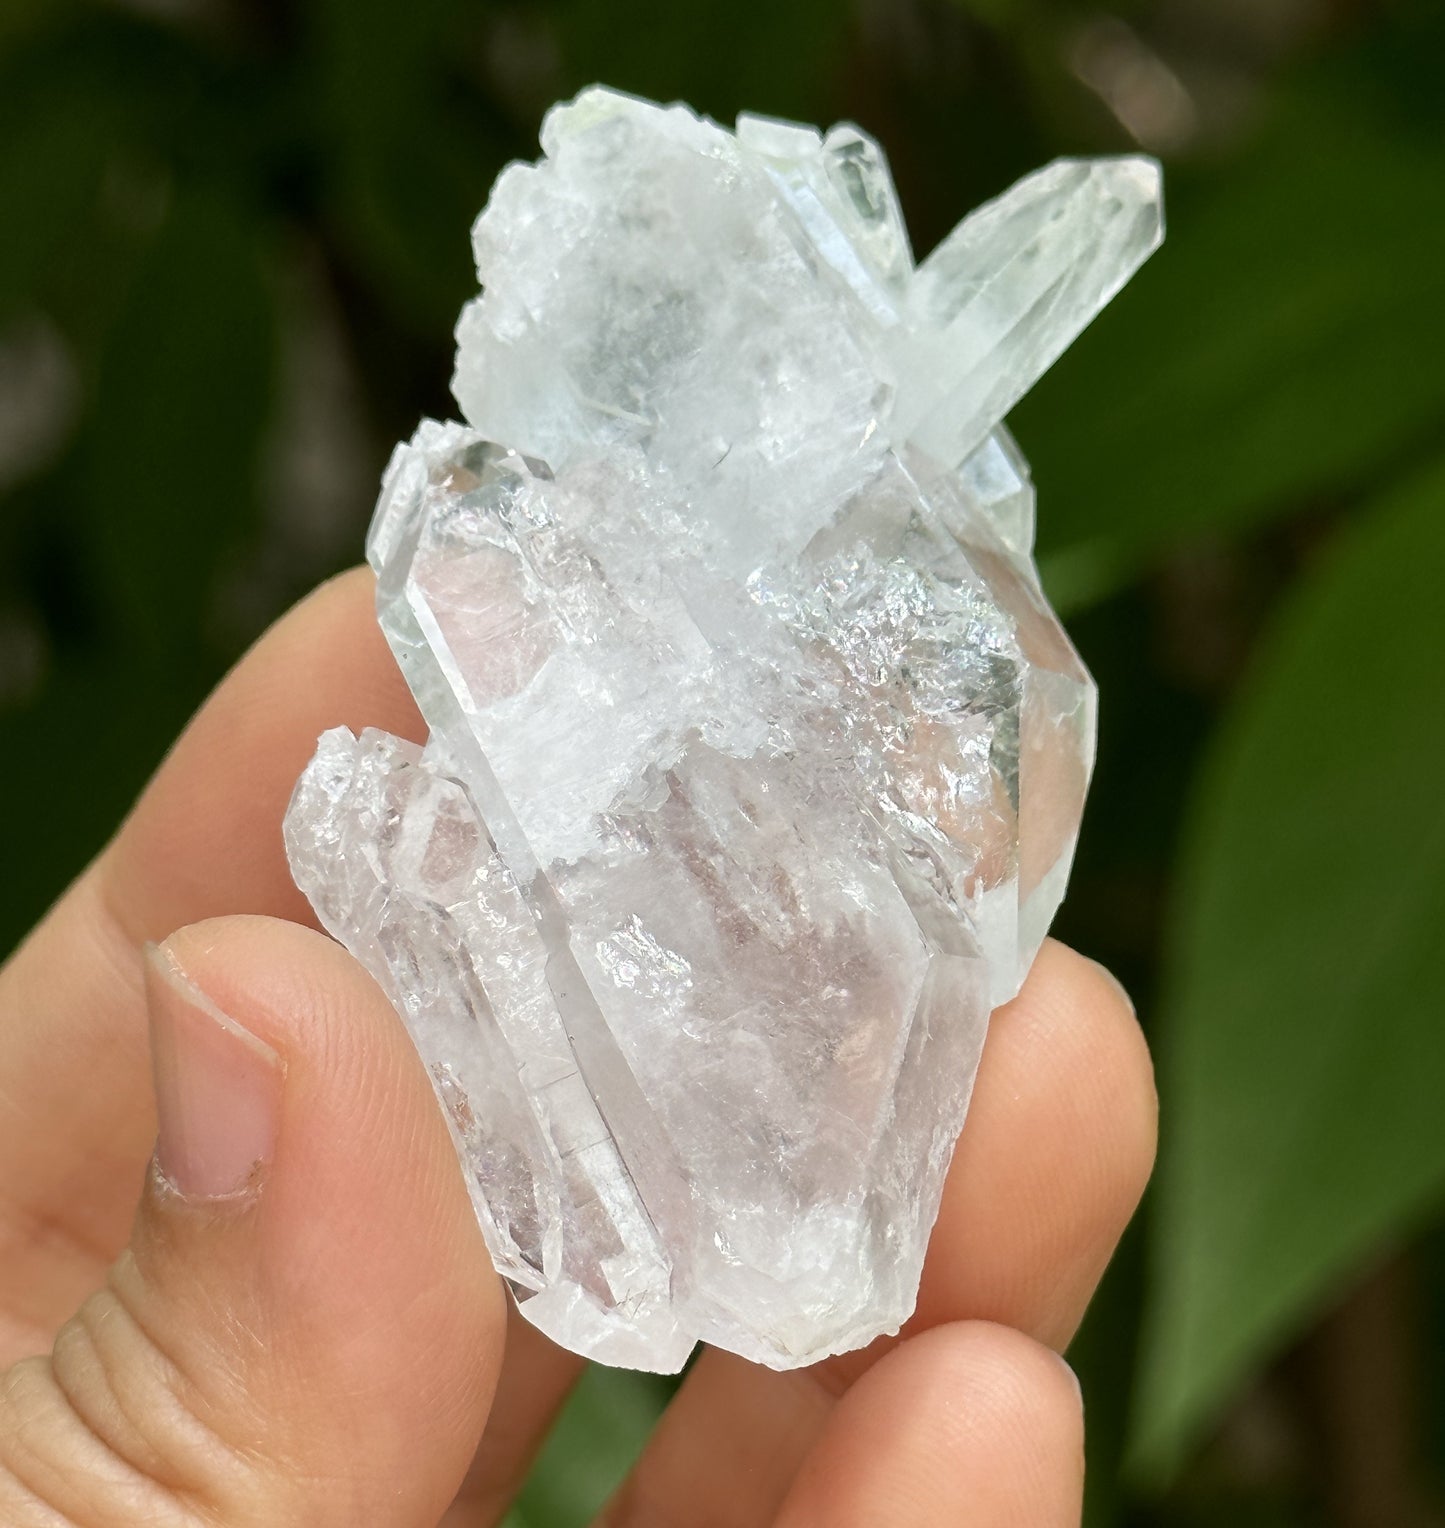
(232,245)
(1307,1050)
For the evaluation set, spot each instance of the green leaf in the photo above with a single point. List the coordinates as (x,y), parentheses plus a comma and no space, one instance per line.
(76,756)
(21,20)
(1286,345)
(599,1436)
(410,152)
(167,486)
(1303,1063)
(669,52)
(126,544)
(53,148)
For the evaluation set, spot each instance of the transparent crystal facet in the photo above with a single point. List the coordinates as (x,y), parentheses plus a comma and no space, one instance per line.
(756,756)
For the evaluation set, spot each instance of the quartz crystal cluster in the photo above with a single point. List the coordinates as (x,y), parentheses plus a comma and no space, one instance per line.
(756,755)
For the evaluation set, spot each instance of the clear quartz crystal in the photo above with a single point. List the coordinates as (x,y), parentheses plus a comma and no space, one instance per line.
(757,756)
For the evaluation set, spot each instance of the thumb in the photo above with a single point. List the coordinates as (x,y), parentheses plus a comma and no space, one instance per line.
(306,1328)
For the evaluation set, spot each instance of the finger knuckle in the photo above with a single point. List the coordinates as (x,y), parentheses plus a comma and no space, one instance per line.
(106,1430)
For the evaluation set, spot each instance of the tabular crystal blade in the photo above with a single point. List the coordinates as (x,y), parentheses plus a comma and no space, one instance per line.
(1006,293)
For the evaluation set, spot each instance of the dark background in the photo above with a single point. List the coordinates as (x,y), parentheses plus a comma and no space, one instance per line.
(233,241)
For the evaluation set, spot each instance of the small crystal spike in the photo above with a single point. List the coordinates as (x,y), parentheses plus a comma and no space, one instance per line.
(1006,293)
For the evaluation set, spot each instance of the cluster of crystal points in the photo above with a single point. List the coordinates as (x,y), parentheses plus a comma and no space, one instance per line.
(756,756)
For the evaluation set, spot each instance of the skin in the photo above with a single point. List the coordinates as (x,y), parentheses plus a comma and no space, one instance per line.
(330,1345)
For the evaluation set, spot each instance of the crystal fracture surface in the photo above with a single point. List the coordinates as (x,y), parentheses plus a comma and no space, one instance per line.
(756,756)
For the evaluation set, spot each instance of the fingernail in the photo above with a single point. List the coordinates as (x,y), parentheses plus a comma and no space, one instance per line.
(218,1088)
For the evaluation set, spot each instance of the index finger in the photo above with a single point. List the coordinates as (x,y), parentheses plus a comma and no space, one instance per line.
(76,1124)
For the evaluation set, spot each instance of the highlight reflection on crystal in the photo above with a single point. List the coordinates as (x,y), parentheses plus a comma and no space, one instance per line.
(756,757)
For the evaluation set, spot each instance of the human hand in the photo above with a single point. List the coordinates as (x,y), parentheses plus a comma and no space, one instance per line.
(305,1328)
